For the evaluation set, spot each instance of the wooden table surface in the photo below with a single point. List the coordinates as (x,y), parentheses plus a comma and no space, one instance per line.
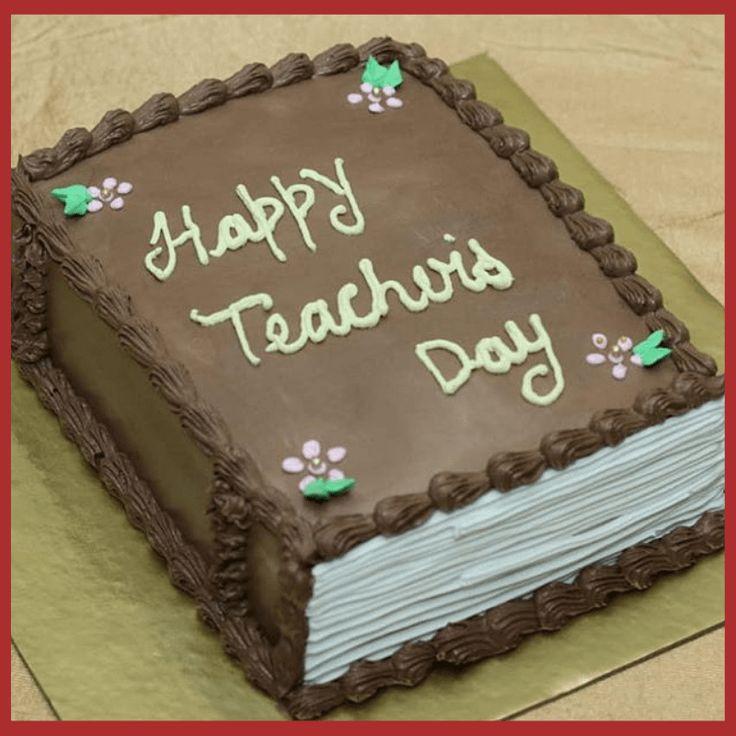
(641,96)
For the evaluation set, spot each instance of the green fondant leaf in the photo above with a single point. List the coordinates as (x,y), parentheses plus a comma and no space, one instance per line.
(650,342)
(316,491)
(650,350)
(382,76)
(393,76)
(373,72)
(322,490)
(342,485)
(654,355)
(75,198)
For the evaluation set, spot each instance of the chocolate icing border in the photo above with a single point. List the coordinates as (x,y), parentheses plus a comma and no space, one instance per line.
(239,493)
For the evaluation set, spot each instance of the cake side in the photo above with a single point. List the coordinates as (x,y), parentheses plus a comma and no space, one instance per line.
(212,568)
(240,494)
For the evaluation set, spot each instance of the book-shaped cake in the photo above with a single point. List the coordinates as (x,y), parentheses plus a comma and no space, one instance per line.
(361,367)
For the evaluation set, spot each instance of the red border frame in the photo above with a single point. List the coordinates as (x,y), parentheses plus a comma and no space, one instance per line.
(209,728)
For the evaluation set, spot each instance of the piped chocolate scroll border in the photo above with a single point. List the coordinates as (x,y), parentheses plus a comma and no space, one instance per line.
(239,491)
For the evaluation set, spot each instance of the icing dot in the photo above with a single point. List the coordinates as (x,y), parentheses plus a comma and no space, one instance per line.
(449,238)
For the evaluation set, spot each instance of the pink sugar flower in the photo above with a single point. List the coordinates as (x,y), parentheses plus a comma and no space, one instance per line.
(111,193)
(314,464)
(617,355)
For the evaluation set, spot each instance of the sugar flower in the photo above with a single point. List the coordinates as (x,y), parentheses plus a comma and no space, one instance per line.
(314,464)
(618,355)
(111,193)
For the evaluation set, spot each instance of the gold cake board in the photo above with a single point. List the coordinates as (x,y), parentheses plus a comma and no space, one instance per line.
(107,637)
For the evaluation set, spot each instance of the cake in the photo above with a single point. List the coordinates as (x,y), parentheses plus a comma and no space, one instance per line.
(369,378)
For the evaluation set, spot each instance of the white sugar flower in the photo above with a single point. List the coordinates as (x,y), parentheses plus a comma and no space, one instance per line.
(111,193)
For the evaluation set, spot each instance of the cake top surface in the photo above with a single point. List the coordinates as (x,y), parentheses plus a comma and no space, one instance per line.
(391,381)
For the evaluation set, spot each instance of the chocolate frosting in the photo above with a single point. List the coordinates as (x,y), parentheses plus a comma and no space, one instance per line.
(336,60)
(478,115)
(638,293)
(241,491)
(563,448)
(614,260)
(450,490)
(161,109)
(506,141)
(396,514)
(509,469)
(589,232)
(562,199)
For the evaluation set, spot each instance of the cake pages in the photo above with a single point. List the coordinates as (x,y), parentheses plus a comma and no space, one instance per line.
(505,546)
